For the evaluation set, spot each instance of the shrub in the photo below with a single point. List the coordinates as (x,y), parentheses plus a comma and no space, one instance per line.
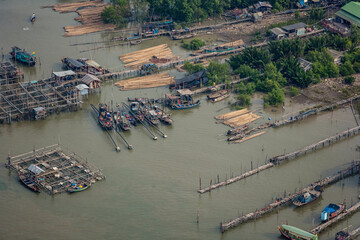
(294,91)
(349,80)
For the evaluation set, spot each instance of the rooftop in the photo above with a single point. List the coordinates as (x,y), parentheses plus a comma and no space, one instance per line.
(294,26)
(350,12)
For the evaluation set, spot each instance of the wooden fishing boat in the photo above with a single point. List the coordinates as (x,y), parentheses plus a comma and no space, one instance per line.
(342,235)
(122,120)
(291,232)
(306,198)
(185,105)
(32,19)
(163,116)
(135,42)
(180,37)
(21,56)
(217,94)
(78,187)
(220,98)
(151,116)
(332,210)
(29,181)
(105,119)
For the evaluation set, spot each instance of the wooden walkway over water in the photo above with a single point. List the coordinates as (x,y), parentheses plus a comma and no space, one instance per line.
(57,169)
(278,159)
(350,171)
(343,215)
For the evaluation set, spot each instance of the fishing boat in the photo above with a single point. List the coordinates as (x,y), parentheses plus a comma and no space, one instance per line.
(105,119)
(217,94)
(151,116)
(180,37)
(332,210)
(306,198)
(78,187)
(185,105)
(29,181)
(123,120)
(342,235)
(21,56)
(135,42)
(291,232)
(163,116)
(135,108)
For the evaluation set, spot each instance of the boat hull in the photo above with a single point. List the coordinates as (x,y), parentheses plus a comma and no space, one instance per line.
(331,211)
(314,195)
(29,182)
(78,188)
(185,106)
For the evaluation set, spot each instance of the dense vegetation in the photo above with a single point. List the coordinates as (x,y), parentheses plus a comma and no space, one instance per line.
(194,44)
(264,76)
(116,12)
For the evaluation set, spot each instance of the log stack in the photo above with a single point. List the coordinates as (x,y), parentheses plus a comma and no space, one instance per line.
(237,118)
(150,81)
(141,57)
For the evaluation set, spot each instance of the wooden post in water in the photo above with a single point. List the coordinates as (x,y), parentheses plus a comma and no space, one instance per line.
(200,182)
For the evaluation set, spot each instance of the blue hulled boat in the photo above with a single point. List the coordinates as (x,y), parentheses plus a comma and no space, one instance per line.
(21,56)
(306,198)
(331,211)
(186,105)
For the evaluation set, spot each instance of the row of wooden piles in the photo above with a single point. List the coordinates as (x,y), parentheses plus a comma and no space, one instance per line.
(89,15)
(138,58)
(150,81)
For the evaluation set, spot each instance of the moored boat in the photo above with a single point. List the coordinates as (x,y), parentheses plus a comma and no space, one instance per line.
(185,105)
(105,119)
(122,119)
(135,42)
(163,116)
(21,56)
(306,198)
(29,181)
(217,94)
(342,235)
(291,232)
(78,187)
(226,95)
(332,210)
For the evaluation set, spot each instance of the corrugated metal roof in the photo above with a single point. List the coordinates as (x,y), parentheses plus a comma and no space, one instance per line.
(277,31)
(294,26)
(350,12)
(88,78)
(75,63)
(64,73)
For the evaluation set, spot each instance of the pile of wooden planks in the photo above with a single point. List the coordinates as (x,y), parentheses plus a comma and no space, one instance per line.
(237,43)
(141,57)
(89,15)
(72,7)
(149,81)
(237,118)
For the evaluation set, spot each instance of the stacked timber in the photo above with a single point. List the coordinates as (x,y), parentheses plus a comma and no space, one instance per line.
(89,15)
(237,118)
(150,81)
(141,57)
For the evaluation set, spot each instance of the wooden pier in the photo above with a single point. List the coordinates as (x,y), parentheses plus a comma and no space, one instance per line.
(304,114)
(354,233)
(56,170)
(350,171)
(313,147)
(343,215)
(278,159)
(18,101)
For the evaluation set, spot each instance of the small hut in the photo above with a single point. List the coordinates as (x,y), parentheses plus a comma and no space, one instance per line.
(91,81)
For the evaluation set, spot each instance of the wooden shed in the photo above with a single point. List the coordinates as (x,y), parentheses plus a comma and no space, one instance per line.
(91,81)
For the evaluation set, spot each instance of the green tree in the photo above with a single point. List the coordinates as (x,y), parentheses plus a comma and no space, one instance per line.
(275,97)
(254,57)
(194,44)
(316,13)
(346,69)
(243,100)
(294,91)
(218,72)
(193,68)
(349,80)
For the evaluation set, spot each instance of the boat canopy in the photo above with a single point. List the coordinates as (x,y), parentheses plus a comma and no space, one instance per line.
(64,73)
(299,232)
(75,63)
(35,169)
(81,87)
(92,63)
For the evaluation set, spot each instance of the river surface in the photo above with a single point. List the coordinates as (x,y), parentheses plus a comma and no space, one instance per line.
(150,192)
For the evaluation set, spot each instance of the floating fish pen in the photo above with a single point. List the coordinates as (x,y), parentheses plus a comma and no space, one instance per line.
(25,100)
(54,170)
(9,73)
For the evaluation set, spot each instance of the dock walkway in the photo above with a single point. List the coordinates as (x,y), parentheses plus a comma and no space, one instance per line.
(353,169)
(278,159)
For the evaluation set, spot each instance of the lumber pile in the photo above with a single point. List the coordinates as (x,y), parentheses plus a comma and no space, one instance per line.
(250,137)
(72,7)
(150,81)
(141,57)
(89,15)
(237,43)
(237,118)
